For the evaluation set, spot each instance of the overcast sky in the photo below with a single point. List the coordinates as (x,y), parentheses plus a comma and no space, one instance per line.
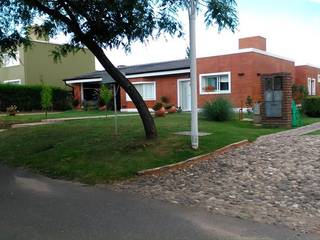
(292,29)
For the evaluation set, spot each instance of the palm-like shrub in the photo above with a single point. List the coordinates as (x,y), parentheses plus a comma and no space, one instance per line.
(219,109)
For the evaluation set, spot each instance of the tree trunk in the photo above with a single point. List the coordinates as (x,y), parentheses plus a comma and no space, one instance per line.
(147,119)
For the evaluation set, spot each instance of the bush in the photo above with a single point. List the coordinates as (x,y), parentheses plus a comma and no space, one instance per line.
(218,110)
(90,105)
(75,102)
(28,98)
(311,106)
(299,92)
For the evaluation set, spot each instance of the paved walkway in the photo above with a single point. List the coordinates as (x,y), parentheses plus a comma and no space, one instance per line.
(275,180)
(88,117)
(59,120)
(37,208)
(30,114)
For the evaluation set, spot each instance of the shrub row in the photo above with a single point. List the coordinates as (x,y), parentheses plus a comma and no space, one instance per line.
(311,106)
(28,98)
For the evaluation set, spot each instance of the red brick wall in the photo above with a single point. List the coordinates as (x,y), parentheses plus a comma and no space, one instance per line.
(267,65)
(165,86)
(77,92)
(305,72)
(235,64)
(245,69)
(253,42)
(286,118)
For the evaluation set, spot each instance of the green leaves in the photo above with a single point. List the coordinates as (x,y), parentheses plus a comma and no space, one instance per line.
(46,98)
(222,13)
(105,94)
(110,24)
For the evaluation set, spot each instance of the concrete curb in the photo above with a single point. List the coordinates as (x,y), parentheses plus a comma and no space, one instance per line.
(191,161)
(24,125)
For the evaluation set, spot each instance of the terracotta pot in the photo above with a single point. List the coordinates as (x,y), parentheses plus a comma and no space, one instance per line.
(160,113)
(102,108)
(173,109)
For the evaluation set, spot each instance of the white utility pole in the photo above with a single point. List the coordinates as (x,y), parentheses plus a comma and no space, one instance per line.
(115,109)
(193,75)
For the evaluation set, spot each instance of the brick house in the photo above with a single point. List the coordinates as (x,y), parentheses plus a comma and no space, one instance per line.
(234,76)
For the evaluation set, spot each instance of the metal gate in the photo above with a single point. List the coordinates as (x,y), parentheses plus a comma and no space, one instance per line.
(273,96)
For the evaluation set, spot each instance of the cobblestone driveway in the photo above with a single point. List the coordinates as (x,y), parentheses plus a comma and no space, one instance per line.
(275,180)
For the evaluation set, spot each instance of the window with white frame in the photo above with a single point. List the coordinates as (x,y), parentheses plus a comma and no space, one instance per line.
(14,81)
(10,61)
(318,78)
(311,86)
(146,89)
(215,83)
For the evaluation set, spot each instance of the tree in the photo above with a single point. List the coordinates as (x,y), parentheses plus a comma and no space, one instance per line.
(105,95)
(98,24)
(46,98)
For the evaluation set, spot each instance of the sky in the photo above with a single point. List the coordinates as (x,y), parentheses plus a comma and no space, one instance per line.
(292,29)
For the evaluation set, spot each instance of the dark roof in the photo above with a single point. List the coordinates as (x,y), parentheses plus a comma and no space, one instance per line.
(136,69)
(156,67)
(97,74)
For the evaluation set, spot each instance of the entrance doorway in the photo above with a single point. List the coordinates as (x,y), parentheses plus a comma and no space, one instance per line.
(184,94)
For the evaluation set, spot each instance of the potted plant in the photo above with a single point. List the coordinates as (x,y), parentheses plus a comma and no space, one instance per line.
(159,109)
(170,108)
(209,88)
(12,110)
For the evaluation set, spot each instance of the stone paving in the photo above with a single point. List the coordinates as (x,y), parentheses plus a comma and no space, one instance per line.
(275,180)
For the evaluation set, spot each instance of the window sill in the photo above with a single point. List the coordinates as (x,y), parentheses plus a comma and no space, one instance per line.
(143,100)
(215,93)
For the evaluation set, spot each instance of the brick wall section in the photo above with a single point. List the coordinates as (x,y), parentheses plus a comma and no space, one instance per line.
(268,65)
(285,120)
(165,86)
(253,42)
(245,69)
(77,92)
(305,72)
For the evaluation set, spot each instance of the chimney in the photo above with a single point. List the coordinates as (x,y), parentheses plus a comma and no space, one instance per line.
(253,42)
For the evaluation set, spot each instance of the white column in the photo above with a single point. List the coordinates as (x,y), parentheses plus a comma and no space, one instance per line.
(81,93)
(115,109)
(193,76)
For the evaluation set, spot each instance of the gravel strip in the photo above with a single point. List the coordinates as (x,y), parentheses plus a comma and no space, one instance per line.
(275,180)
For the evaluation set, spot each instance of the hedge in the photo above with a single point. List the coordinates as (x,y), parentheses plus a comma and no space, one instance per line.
(311,106)
(28,98)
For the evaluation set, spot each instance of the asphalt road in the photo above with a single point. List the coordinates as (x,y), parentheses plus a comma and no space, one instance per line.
(34,207)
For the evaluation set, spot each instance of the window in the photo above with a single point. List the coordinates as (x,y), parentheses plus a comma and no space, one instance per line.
(15,81)
(146,89)
(215,83)
(9,61)
(311,86)
(318,78)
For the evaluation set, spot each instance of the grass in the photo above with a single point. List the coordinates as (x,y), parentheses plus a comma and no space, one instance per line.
(88,151)
(314,133)
(6,121)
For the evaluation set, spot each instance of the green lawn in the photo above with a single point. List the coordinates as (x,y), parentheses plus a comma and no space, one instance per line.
(315,133)
(6,121)
(88,151)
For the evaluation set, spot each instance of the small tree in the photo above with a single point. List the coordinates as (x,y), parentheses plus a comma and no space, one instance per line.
(46,98)
(106,96)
